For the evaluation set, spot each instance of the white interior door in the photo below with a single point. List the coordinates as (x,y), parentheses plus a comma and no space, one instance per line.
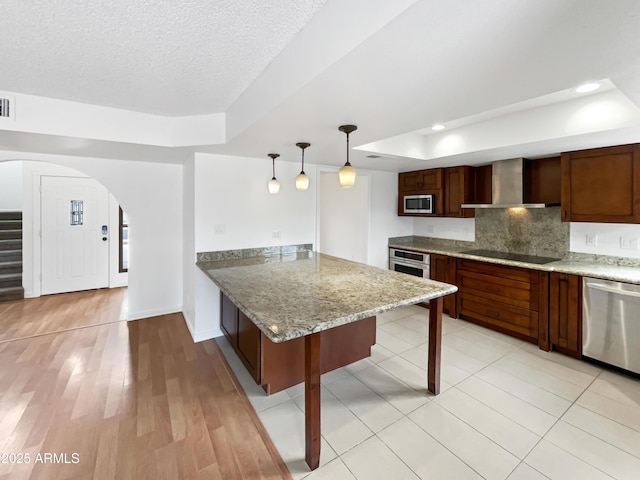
(75,249)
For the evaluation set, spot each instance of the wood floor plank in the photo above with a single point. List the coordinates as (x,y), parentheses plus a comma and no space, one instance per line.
(132,400)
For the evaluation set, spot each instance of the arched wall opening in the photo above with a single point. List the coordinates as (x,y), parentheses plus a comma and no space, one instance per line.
(21,190)
(151,194)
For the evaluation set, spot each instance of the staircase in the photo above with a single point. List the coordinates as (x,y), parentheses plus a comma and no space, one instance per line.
(11,256)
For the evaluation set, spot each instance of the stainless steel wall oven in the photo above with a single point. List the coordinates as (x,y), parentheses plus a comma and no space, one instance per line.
(407,261)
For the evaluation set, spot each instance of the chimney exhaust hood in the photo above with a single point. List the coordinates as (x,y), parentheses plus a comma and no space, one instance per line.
(507,186)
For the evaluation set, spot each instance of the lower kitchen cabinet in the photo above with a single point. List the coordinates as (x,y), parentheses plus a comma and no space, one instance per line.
(277,366)
(443,269)
(249,344)
(512,300)
(229,319)
(565,313)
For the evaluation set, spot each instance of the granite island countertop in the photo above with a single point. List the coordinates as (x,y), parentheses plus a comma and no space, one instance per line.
(293,295)
(612,268)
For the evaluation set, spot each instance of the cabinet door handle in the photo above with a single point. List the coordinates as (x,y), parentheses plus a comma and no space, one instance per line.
(493,313)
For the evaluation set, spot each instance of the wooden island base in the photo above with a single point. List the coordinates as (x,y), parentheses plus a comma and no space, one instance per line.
(277,366)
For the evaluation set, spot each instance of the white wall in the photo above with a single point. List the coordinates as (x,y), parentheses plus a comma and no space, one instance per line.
(231,193)
(11,186)
(343,217)
(384,220)
(609,237)
(449,228)
(151,194)
(232,210)
(80,120)
(189,244)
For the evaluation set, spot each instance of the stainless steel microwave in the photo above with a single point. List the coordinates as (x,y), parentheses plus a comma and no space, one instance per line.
(418,203)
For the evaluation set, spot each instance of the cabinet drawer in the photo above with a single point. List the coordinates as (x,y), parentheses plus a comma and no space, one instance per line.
(502,271)
(517,293)
(507,317)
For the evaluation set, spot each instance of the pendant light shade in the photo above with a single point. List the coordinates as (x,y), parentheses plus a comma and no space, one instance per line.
(347,173)
(302,181)
(274,184)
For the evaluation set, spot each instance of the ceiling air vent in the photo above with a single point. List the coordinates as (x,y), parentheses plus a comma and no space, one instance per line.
(5,108)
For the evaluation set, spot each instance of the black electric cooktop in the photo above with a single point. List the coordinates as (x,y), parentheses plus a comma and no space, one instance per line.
(516,257)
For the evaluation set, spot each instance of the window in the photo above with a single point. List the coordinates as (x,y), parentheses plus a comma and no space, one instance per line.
(123,242)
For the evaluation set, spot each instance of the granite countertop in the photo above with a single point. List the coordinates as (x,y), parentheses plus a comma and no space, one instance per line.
(620,270)
(292,295)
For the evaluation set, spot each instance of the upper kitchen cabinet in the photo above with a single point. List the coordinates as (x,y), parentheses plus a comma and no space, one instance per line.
(482,182)
(542,181)
(422,182)
(459,188)
(601,185)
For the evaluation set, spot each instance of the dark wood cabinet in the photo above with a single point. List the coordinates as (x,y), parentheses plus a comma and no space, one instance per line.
(443,269)
(229,319)
(249,344)
(509,299)
(565,313)
(277,366)
(542,181)
(419,182)
(450,187)
(601,185)
(482,183)
(459,188)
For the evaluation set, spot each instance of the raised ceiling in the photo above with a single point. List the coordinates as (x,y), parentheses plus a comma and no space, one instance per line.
(294,71)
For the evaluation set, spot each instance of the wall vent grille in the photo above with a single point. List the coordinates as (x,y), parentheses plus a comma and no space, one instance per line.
(5,108)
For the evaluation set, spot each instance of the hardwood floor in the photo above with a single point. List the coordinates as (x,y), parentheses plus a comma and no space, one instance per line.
(57,313)
(124,400)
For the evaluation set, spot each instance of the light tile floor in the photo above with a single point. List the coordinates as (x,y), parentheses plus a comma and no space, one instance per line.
(507,410)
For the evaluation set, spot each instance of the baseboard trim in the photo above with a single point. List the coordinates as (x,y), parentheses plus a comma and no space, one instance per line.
(200,336)
(129,316)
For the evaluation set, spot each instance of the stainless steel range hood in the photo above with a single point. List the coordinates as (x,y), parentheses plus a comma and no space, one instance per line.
(507,186)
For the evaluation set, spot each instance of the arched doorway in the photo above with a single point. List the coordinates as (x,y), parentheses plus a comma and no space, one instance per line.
(53,259)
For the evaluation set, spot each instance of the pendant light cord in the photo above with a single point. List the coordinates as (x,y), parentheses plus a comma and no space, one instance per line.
(302,171)
(273,160)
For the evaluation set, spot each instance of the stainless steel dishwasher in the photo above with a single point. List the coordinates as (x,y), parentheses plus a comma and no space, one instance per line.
(611,323)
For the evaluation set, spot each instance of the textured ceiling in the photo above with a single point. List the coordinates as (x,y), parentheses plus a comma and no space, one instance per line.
(291,71)
(170,57)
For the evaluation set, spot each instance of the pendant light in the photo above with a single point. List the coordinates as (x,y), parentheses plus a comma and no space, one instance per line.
(347,173)
(274,184)
(302,181)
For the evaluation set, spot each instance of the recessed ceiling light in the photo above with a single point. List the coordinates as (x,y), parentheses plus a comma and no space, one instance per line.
(587,87)
(437,126)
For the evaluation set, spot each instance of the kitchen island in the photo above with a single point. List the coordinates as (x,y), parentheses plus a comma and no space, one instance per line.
(302,293)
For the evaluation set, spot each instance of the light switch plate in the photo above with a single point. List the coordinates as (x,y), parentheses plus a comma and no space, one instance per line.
(219,229)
